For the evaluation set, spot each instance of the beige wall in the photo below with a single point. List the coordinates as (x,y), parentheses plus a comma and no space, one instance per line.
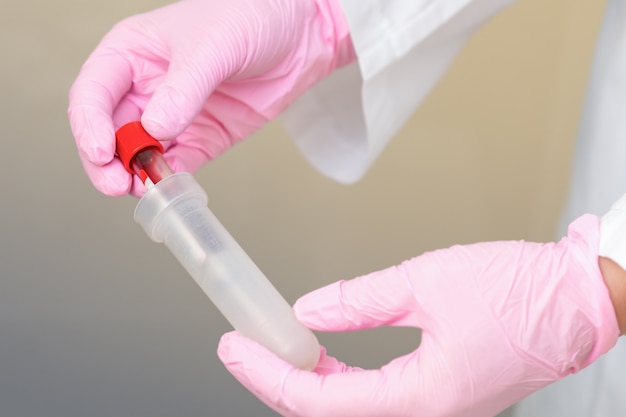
(97,320)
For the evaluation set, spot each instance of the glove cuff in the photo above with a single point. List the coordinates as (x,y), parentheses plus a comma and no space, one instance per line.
(333,13)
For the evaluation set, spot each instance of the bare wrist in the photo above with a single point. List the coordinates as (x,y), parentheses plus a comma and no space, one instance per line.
(615,280)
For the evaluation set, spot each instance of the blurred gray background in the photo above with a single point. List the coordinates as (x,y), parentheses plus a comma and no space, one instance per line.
(97,320)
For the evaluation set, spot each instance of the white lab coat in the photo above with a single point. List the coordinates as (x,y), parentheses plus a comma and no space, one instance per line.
(404,46)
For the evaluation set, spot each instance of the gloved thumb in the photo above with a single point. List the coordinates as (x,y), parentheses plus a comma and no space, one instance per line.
(180,96)
(378,299)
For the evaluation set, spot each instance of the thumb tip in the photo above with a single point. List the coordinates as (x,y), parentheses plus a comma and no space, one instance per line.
(159,126)
(311,303)
(168,113)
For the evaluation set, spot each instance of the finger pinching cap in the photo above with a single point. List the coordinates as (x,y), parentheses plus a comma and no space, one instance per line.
(131,139)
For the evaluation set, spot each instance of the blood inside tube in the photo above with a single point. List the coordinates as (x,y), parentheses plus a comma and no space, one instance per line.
(150,164)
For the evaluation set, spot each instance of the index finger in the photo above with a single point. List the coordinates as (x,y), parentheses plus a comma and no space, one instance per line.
(380,298)
(102,82)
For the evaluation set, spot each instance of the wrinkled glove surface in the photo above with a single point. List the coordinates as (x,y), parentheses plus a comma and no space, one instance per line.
(201,75)
(499,321)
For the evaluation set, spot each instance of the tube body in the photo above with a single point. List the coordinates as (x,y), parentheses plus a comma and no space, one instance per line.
(175,212)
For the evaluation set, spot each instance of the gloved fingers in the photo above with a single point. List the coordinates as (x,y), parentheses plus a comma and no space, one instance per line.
(128,109)
(204,140)
(111,179)
(94,96)
(332,389)
(185,157)
(183,91)
(380,298)
(137,188)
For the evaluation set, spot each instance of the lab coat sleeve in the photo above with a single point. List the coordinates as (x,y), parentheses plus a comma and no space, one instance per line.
(403,47)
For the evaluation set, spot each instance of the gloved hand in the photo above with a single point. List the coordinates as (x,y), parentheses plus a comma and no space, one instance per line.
(202,75)
(499,321)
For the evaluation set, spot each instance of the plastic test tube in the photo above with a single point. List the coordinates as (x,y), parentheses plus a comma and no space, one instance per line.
(174,211)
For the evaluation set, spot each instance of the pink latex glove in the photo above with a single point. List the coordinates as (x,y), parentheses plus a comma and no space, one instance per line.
(499,320)
(202,75)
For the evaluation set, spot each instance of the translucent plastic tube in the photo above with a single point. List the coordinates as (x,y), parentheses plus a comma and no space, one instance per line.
(174,211)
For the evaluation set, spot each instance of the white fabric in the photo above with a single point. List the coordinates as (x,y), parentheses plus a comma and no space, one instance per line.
(404,47)
(598,179)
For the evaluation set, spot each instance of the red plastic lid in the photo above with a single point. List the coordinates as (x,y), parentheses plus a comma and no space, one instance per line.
(131,139)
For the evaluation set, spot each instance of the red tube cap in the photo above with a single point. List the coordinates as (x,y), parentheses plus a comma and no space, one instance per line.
(131,139)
